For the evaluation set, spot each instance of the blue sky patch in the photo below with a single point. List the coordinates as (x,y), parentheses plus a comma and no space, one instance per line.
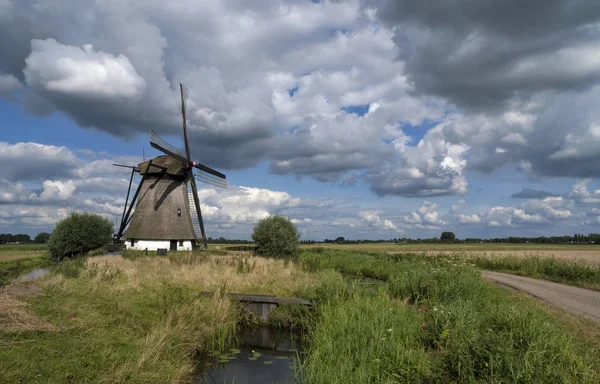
(359,109)
(416,132)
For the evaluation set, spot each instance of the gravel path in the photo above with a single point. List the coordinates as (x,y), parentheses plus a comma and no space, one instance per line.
(580,301)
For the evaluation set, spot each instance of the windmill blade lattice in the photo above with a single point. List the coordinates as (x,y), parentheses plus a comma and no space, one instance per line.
(184,96)
(193,211)
(155,139)
(209,179)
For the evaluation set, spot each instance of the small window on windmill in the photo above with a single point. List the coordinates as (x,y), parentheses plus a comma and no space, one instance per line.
(179,212)
(132,242)
(181,243)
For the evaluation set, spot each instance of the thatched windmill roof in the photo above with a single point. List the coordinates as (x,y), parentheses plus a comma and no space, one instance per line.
(162,211)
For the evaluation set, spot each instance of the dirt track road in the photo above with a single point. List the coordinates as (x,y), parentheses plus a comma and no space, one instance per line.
(580,301)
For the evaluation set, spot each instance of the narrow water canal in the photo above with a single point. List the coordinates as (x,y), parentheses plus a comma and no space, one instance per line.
(264,355)
(34,274)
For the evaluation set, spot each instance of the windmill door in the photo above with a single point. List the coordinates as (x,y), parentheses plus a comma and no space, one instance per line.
(173,246)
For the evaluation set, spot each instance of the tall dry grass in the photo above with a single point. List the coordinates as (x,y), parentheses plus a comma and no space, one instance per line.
(139,320)
(239,274)
(193,326)
(587,256)
(16,316)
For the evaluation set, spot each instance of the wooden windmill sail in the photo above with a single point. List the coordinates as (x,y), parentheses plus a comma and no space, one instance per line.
(167,210)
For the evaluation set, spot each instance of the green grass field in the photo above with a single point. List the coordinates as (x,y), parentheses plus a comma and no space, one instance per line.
(22,247)
(456,247)
(18,259)
(431,319)
(15,252)
(19,255)
(437,321)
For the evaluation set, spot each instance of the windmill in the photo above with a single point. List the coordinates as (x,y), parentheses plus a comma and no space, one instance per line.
(167,209)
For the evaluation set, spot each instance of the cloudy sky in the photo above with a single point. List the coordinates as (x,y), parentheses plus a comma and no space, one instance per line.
(363,119)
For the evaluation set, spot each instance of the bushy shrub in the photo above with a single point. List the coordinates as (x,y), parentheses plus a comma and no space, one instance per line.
(78,234)
(42,238)
(71,268)
(448,236)
(276,236)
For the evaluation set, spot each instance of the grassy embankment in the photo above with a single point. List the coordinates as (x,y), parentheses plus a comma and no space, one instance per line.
(143,320)
(18,259)
(435,320)
(561,271)
(573,264)
(137,320)
(455,247)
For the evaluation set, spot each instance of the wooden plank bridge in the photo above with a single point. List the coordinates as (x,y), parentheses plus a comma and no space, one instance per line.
(262,305)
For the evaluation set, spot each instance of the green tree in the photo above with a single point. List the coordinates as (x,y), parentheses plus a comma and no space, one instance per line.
(78,234)
(447,236)
(276,236)
(42,237)
(22,238)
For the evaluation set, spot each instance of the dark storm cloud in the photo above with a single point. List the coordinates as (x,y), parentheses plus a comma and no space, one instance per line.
(480,53)
(557,135)
(395,182)
(528,193)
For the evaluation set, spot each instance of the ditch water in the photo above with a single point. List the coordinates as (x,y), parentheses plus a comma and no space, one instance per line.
(264,355)
(34,274)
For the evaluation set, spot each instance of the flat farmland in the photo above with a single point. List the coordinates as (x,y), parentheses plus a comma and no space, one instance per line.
(586,256)
(18,259)
(583,253)
(16,252)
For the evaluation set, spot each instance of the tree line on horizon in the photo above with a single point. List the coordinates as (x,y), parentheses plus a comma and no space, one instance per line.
(578,238)
(22,238)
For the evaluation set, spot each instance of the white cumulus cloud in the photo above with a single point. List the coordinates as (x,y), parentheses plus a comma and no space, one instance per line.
(427,216)
(77,72)
(373,218)
(57,190)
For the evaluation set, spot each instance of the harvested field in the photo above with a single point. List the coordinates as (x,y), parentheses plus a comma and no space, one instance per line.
(15,315)
(585,253)
(587,256)
(15,254)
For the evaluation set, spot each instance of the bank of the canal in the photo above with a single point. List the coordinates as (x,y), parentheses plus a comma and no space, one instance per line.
(421,319)
(141,320)
(436,320)
(12,269)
